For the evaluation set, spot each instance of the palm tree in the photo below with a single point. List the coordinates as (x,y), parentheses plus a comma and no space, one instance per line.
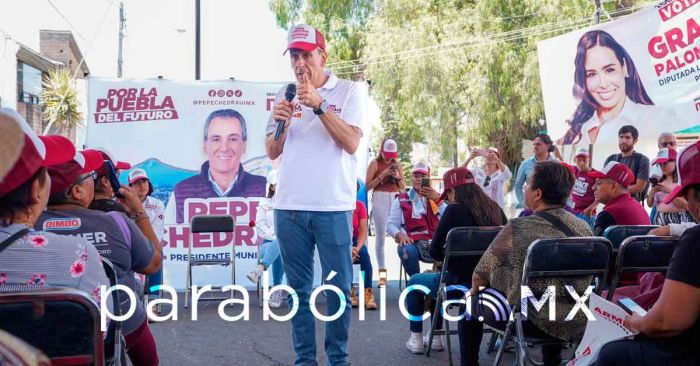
(60,98)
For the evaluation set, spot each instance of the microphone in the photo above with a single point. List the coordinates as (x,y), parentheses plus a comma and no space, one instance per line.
(289,95)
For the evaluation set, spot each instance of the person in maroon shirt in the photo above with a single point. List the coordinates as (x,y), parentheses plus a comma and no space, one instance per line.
(611,189)
(361,255)
(582,194)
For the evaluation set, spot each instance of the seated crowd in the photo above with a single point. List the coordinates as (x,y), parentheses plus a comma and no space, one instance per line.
(45,184)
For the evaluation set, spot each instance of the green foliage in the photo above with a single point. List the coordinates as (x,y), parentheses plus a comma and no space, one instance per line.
(61,102)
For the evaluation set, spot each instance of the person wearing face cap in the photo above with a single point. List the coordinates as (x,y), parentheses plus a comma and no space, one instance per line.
(669,333)
(32,256)
(675,212)
(413,219)
(493,176)
(104,192)
(611,190)
(321,130)
(115,236)
(469,206)
(385,180)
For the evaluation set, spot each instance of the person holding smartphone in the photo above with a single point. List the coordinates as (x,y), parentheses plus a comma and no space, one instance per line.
(670,331)
(492,177)
(413,219)
(385,179)
(107,184)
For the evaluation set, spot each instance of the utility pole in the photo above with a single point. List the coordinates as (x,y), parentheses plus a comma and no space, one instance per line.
(122,25)
(197,45)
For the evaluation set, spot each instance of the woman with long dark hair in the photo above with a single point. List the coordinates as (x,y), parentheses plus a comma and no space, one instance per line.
(469,206)
(385,179)
(607,83)
(676,211)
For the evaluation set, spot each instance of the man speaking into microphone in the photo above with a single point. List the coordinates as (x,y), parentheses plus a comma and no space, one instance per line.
(316,195)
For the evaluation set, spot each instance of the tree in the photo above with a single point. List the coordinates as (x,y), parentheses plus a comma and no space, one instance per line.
(61,103)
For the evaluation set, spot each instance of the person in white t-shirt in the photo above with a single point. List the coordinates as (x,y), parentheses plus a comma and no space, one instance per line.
(317,180)
(139,182)
(493,176)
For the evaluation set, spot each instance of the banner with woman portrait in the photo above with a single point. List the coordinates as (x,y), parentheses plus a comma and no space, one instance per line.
(642,70)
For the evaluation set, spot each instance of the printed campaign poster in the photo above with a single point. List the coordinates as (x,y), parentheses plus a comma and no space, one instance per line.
(642,70)
(202,146)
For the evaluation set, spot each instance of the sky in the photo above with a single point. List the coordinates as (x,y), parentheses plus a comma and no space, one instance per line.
(240,39)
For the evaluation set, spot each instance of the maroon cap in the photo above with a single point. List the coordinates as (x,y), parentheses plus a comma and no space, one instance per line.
(665,155)
(455,177)
(390,149)
(64,175)
(688,168)
(306,38)
(107,155)
(616,171)
(37,152)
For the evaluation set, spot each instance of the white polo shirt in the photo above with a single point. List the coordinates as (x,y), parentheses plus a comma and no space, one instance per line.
(315,173)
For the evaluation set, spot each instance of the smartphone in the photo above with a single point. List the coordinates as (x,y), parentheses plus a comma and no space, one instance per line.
(631,307)
(482,152)
(425,182)
(113,179)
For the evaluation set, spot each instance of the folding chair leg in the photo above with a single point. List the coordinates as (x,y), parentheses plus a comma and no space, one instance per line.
(499,355)
(521,349)
(447,338)
(492,342)
(433,324)
(400,275)
(188,284)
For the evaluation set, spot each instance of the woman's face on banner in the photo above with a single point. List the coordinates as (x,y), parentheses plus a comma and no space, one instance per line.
(224,145)
(605,77)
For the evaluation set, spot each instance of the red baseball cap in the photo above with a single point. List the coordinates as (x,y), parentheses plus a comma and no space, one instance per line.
(306,38)
(455,177)
(390,149)
(137,174)
(616,171)
(688,168)
(66,174)
(118,165)
(570,167)
(665,155)
(37,152)
(582,152)
(421,167)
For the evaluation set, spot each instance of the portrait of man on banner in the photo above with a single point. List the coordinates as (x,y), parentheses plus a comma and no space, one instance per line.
(224,142)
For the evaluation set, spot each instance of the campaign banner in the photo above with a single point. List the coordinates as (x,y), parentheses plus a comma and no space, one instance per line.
(193,139)
(202,145)
(641,70)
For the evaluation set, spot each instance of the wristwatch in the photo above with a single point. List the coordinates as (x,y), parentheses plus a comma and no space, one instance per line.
(321,109)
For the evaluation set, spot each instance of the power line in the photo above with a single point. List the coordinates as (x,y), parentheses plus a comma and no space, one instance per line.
(462,41)
(94,37)
(67,21)
(461,44)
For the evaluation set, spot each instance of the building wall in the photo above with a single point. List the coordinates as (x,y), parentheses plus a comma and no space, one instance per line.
(56,46)
(8,74)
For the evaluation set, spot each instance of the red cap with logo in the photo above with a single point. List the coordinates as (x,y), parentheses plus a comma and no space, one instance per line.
(37,152)
(421,167)
(688,168)
(306,38)
(582,152)
(390,149)
(65,175)
(616,171)
(456,177)
(665,155)
(107,155)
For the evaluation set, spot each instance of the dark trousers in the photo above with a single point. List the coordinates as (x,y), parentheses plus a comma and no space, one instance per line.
(471,332)
(643,352)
